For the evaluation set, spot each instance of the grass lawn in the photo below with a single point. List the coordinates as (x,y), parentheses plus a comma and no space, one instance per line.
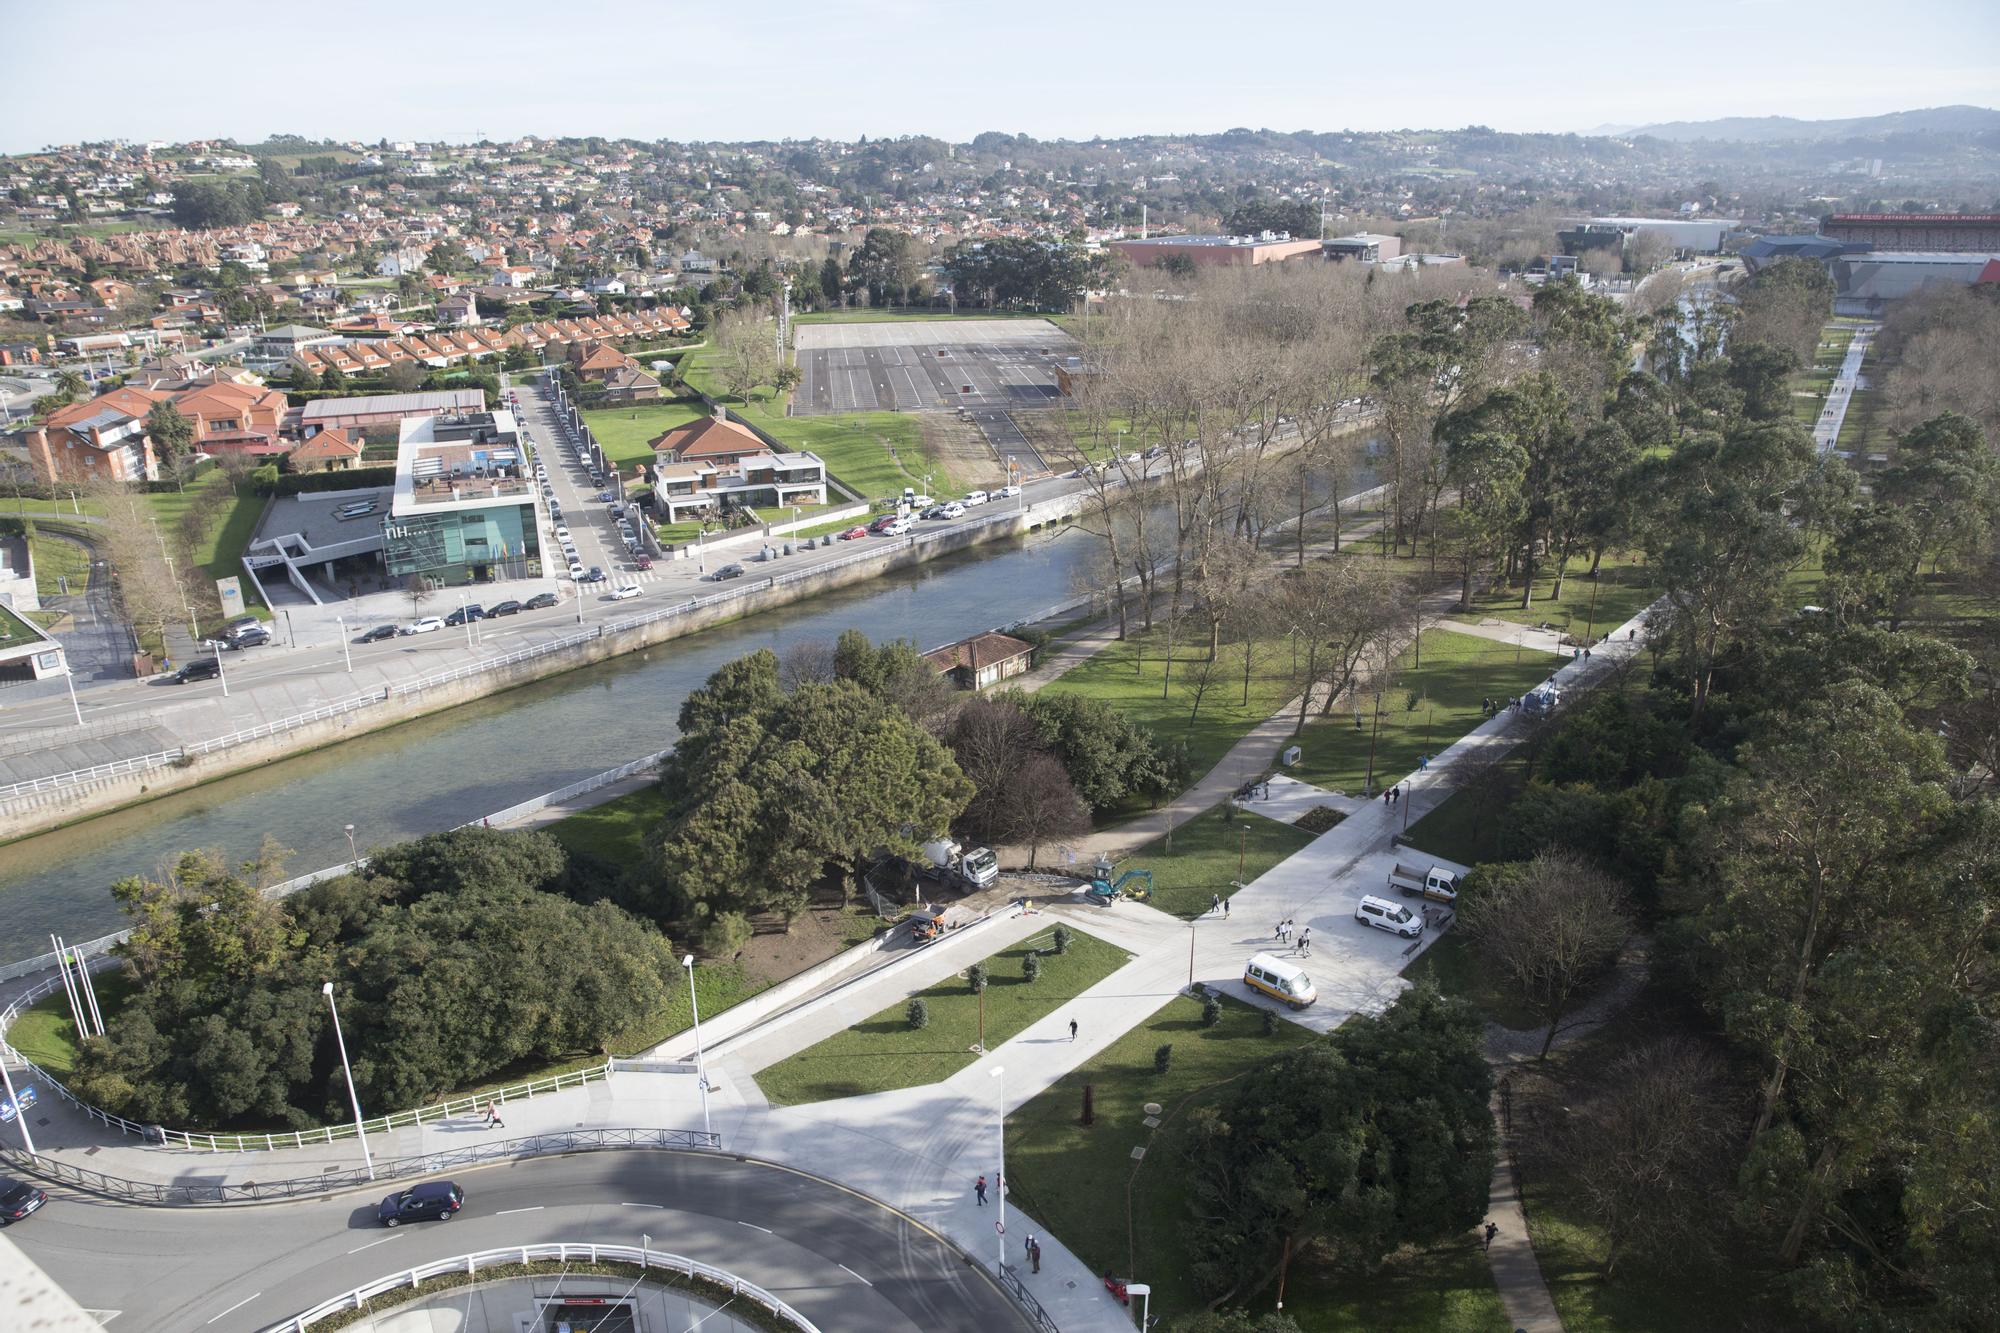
(1458,671)
(1622,589)
(47,1035)
(614,831)
(1446,1290)
(1223,718)
(66,507)
(1205,857)
(1860,432)
(885,1052)
(624,431)
(221,554)
(1463,829)
(56,559)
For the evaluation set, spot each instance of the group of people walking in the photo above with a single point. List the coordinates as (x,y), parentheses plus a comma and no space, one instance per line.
(1301,944)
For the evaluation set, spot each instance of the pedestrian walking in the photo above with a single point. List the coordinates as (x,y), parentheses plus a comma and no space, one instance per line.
(1225,909)
(1072,1029)
(1215,903)
(1631,634)
(979,1191)
(1385,798)
(1586,654)
(1492,1230)
(1279,933)
(1306,941)
(493,1120)
(1028,1247)
(1035,1254)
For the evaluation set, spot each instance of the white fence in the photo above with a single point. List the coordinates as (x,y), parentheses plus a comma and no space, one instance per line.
(670,1265)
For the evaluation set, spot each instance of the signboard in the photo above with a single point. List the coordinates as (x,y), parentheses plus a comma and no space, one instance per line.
(230,590)
(28,1098)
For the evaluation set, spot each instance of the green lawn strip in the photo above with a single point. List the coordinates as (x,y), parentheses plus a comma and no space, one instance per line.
(46,1034)
(614,831)
(58,559)
(884,1052)
(64,507)
(1455,966)
(1446,1290)
(15,629)
(220,553)
(625,432)
(1622,589)
(1223,719)
(1860,433)
(1458,671)
(1463,829)
(1209,851)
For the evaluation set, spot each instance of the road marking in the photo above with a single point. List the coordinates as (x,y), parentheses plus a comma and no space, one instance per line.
(239,1305)
(394,1235)
(508,1212)
(642,1205)
(856,1276)
(754,1227)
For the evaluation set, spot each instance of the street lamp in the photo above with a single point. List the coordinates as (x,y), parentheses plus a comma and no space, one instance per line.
(701,1070)
(352,855)
(1000,1171)
(218,669)
(346,651)
(326,989)
(69,679)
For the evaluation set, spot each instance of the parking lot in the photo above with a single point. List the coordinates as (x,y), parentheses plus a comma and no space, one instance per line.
(926,366)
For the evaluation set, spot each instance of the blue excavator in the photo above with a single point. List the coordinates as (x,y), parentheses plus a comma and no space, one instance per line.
(1104,890)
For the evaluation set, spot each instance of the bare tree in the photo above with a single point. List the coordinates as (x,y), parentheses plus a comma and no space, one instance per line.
(1551,927)
(807,662)
(1337,607)
(1648,249)
(151,574)
(418,589)
(1649,1149)
(993,741)
(1041,805)
(746,351)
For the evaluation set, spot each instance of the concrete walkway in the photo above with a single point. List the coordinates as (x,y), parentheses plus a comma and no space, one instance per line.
(1840,394)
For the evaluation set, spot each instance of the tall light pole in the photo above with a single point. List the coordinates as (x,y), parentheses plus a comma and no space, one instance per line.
(69,679)
(701,1070)
(346,649)
(353,1097)
(219,674)
(1000,1171)
(352,855)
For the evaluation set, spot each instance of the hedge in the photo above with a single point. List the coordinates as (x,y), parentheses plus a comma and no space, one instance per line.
(355,479)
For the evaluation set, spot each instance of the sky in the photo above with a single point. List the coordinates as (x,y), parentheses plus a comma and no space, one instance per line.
(79,70)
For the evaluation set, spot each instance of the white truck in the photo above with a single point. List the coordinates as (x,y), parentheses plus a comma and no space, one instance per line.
(1434,882)
(975,867)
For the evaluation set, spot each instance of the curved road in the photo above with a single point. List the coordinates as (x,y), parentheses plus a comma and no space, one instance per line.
(841,1259)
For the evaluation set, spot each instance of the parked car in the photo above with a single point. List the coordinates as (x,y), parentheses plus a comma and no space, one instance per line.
(604,497)
(896,528)
(952,510)
(379,633)
(595,574)
(434,1200)
(853,533)
(623,591)
(562,533)
(506,608)
(252,635)
(466,613)
(729,572)
(974,498)
(427,625)
(1007,492)
(539,601)
(642,560)
(883,522)
(18,1199)
(202,668)
(934,512)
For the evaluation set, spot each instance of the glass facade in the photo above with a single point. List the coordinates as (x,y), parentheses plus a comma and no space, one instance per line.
(464,545)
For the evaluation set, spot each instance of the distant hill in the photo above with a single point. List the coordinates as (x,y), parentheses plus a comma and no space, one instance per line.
(1778,129)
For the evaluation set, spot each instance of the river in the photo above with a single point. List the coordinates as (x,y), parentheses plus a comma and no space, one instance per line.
(453,767)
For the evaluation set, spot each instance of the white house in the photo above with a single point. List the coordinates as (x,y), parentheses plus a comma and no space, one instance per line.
(404,259)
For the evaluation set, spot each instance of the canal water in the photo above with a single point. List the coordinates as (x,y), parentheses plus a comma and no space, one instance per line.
(453,767)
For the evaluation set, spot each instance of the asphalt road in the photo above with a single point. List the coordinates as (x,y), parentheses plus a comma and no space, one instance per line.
(843,1261)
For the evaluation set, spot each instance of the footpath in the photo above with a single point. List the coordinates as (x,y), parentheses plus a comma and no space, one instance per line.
(920,1149)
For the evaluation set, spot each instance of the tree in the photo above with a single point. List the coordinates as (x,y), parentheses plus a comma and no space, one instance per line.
(1551,926)
(1372,1137)
(173,438)
(447,256)
(745,352)
(1785,304)
(1040,806)
(417,588)
(991,740)
(1107,756)
(1946,480)
(405,377)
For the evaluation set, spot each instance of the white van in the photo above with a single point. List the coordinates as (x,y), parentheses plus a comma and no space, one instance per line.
(974,498)
(1385,915)
(1279,979)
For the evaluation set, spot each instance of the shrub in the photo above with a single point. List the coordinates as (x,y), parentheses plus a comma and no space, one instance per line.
(725,935)
(1031,967)
(1269,1026)
(1163,1059)
(975,977)
(1318,819)
(1211,1010)
(918,1013)
(1062,939)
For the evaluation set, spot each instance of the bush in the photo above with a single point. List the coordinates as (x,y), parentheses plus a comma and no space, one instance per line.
(1211,1010)
(1269,1026)
(268,482)
(975,977)
(1031,967)
(1062,939)
(1318,819)
(1163,1059)
(918,1013)
(725,935)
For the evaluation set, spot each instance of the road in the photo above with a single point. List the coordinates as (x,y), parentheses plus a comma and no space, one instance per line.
(840,1259)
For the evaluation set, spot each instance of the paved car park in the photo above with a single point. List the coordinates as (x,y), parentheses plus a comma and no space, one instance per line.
(919,366)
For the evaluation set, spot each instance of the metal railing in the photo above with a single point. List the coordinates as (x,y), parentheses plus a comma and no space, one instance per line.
(555,1252)
(395,1168)
(1010,1281)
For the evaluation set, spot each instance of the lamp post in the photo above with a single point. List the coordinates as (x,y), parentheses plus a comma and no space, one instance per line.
(352,855)
(218,670)
(69,679)
(353,1097)
(346,650)
(1000,1171)
(701,1070)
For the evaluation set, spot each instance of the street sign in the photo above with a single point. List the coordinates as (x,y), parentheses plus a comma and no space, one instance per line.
(230,590)
(27,1097)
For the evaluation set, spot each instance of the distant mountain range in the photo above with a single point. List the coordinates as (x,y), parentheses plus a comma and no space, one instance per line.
(1779,129)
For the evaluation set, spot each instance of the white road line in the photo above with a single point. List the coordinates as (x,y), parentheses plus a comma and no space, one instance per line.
(642,1205)
(508,1212)
(856,1276)
(394,1235)
(754,1227)
(239,1305)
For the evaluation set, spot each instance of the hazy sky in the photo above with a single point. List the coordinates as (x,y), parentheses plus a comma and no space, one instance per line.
(431,69)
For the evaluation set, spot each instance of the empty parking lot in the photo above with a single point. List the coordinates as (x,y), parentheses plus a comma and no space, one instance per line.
(928,365)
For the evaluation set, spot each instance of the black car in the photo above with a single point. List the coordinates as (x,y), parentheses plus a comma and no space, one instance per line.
(251,636)
(18,1200)
(202,668)
(538,601)
(466,613)
(729,572)
(503,609)
(432,1201)
(595,574)
(379,633)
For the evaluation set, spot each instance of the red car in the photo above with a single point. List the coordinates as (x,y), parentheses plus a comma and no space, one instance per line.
(642,560)
(852,533)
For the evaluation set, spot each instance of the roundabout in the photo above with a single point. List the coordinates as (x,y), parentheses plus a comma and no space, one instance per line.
(840,1259)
